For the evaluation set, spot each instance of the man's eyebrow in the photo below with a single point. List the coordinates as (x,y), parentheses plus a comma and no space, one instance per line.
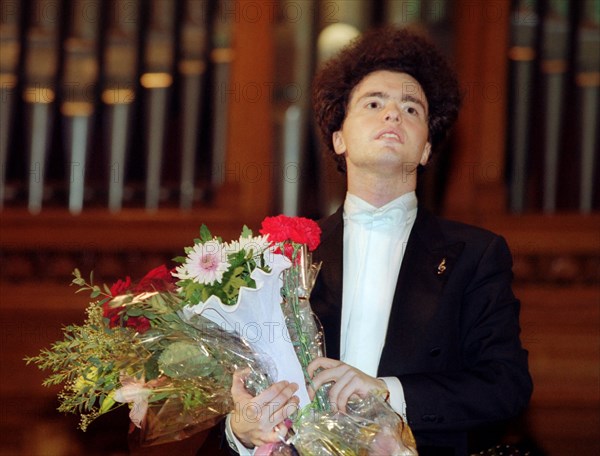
(385,96)
(373,95)
(408,97)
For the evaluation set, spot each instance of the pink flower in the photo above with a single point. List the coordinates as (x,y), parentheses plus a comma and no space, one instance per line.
(134,391)
(205,263)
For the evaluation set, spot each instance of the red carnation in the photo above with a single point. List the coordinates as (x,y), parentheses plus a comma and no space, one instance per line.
(140,324)
(120,287)
(112,313)
(311,231)
(300,230)
(158,279)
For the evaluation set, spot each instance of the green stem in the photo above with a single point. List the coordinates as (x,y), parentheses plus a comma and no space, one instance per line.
(291,286)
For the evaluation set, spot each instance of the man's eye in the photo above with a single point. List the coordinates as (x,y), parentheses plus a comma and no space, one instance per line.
(412,111)
(372,104)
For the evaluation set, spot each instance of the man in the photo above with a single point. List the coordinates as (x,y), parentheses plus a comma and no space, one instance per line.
(413,305)
(416,305)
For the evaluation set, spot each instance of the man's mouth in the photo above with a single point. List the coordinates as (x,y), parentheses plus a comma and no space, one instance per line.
(390,135)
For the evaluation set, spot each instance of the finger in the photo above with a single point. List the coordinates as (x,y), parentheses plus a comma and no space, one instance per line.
(281,415)
(280,432)
(271,392)
(311,392)
(354,386)
(241,373)
(238,386)
(335,390)
(322,363)
(291,410)
(275,411)
(332,374)
(354,382)
(278,393)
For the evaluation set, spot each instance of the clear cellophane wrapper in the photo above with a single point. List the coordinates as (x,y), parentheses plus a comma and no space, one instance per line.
(306,332)
(370,427)
(196,380)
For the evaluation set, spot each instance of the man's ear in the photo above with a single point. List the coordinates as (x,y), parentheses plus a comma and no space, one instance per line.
(425,155)
(338,143)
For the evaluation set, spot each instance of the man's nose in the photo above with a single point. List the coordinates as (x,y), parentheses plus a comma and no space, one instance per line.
(392,114)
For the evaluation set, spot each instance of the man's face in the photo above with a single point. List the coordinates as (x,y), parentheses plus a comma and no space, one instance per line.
(386,128)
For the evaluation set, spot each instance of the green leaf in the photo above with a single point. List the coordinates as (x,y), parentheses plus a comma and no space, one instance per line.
(160,304)
(151,367)
(237,259)
(95,361)
(78,280)
(205,233)
(237,271)
(207,293)
(134,312)
(148,314)
(159,396)
(246,232)
(179,259)
(185,360)
(106,403)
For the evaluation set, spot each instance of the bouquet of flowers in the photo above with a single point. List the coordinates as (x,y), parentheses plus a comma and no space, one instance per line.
(136,347)
(169,344)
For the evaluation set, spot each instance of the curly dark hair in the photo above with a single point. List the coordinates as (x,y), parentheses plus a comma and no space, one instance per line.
(391,49)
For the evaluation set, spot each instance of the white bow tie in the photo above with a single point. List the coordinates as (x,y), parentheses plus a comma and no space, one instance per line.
(386,218)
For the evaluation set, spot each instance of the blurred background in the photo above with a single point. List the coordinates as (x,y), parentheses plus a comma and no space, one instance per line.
(125,124)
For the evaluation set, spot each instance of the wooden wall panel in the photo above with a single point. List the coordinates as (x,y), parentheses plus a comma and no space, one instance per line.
(476,177)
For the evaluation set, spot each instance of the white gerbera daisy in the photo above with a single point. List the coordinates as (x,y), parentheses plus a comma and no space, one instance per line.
(205,263)
(256,244)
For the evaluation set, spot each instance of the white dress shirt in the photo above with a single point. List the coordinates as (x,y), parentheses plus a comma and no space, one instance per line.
(374,244)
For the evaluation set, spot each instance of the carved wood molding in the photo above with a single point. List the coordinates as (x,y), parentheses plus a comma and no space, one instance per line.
(54,264)
(556,250)
(47,247)
(557,269)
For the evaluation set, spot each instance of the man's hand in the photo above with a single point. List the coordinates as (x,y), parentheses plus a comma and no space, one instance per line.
(259,420)
(348,381)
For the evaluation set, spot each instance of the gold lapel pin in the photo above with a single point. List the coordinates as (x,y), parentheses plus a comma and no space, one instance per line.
(441,267)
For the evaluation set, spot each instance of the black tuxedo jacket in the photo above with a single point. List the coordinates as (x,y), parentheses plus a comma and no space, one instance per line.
(453,333)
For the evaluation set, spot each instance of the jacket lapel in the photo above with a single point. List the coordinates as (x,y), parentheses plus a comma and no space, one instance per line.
(428,262)
(326,299)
